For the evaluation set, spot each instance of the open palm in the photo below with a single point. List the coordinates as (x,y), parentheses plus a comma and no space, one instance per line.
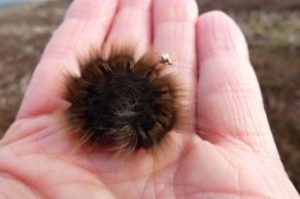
(231,154)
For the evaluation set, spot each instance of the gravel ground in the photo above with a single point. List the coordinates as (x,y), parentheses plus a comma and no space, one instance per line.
(272,28)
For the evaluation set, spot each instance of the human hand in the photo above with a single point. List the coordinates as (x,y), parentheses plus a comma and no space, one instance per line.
(231,154)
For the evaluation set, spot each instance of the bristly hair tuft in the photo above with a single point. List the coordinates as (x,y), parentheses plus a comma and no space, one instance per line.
(121,103)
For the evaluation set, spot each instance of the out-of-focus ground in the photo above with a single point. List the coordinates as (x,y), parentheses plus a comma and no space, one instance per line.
(272,28)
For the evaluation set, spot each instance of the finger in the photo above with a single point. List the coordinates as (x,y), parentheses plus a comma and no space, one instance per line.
(229,101)
(131,26)
(84,28)
(174,33)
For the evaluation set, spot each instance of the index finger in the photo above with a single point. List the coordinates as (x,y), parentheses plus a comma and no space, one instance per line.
(84,28)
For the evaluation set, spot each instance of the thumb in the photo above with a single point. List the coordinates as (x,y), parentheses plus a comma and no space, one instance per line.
(230,105)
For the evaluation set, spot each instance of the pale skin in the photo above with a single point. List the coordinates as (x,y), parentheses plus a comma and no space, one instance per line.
(231,153)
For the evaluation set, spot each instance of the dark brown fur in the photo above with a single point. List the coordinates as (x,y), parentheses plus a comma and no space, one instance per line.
(123,104)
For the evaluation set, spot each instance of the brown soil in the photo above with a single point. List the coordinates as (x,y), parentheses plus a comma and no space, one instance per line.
(271,27)
(276,5)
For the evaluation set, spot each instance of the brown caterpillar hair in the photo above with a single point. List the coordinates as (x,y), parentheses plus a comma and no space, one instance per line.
(121,103)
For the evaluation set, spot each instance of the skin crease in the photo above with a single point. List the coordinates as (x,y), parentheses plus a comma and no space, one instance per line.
(231,154)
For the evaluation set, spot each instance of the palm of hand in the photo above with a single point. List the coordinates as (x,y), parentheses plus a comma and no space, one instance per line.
(229,163)
(193,168)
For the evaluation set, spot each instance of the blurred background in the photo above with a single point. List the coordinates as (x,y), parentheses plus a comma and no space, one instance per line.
(272,28)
